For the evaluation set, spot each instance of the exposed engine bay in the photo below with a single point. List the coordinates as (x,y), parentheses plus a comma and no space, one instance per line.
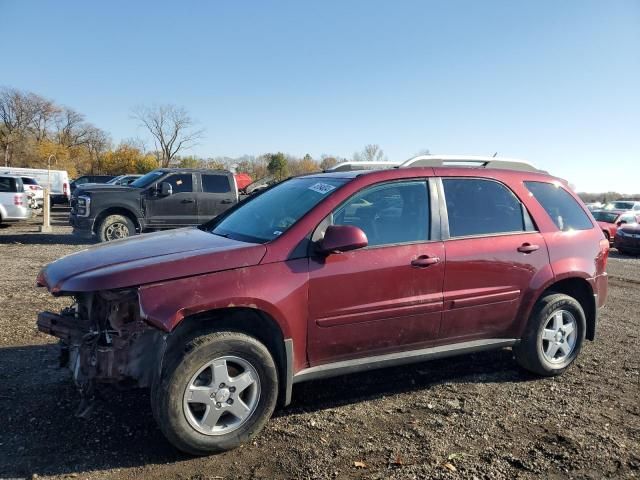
(104,340)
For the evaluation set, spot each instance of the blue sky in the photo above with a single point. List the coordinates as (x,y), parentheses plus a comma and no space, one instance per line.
(557,83)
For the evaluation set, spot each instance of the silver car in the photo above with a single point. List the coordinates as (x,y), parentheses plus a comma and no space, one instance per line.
(14,202)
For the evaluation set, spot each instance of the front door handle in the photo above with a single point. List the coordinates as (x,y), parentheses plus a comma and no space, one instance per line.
(188,200)
(227,201)
(424,261)
(528,248)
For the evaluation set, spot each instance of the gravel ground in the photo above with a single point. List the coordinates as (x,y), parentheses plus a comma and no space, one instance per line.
(476,416)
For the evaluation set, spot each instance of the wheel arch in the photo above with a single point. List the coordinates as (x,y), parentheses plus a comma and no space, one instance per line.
(250,321)
(580,289)
(115,211)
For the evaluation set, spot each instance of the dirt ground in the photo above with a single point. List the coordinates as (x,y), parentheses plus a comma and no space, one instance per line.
(476,416)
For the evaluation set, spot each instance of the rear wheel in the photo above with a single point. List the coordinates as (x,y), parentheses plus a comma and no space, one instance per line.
(554,335)
(115,227)
(216,393)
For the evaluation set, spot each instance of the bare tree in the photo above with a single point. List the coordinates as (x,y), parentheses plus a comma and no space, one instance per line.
(171,127)
(423,151)
(370,153)
(17,111)
(45,111)
(97,142)
(71,129)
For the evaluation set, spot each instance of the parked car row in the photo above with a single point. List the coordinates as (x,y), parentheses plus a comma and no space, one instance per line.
(57,181)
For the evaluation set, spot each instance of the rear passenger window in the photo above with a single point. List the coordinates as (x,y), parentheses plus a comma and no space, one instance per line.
(483,207)
(563,209)
(215,184)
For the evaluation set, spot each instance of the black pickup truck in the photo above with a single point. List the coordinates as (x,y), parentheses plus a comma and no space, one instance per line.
(161,199)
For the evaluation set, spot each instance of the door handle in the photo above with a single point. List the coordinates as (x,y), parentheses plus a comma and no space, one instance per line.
(424,261)
(226,201)
(528,248)
(188,200)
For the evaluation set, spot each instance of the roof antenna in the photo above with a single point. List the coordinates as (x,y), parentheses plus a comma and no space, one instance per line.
(494,155)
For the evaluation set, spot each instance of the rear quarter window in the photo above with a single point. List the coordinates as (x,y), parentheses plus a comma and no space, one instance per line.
(7,184)
(563,209)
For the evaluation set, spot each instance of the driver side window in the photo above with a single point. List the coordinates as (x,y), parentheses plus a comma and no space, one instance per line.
(388,214)
(180,183)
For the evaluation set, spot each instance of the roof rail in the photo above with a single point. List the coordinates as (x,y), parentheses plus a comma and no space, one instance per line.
(350,166)
(469,161)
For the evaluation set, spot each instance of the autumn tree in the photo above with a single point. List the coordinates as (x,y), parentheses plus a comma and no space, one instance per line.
(255,167)
(171,128)
(327,162)
(127,159)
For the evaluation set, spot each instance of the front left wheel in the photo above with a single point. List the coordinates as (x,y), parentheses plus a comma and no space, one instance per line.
(115,227)
(216,393)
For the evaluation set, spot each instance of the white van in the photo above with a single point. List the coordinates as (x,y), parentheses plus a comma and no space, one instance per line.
(59,187)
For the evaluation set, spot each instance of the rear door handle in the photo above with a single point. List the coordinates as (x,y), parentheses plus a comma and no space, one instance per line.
(188,200)
(528,248)
(424,261)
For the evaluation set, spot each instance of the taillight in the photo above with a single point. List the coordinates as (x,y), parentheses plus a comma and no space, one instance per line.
(17,200)
(603,255)
(65,188)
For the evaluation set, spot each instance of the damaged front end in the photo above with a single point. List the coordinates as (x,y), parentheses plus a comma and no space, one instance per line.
(103,339)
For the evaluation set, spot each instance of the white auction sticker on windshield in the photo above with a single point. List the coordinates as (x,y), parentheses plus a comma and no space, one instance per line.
(322,188)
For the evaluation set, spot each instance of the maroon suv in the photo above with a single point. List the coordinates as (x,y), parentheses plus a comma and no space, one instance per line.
(329,274)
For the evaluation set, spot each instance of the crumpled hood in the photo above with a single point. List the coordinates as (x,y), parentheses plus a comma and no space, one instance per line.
(149,258)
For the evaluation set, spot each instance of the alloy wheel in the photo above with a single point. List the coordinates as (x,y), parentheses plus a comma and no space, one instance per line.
(116,231)
(559,336)
(222,395)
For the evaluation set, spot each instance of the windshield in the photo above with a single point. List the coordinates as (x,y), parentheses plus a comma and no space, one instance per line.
(273,212)
(147,179)
(619,206)
(607,217)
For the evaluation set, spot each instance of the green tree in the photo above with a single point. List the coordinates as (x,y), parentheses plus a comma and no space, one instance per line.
(277,165)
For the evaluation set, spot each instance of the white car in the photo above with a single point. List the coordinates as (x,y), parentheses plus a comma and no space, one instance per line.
(14,202)
(33,188)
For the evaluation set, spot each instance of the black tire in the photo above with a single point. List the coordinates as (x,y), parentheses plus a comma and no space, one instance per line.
(115,227)
(530,352)
(180,367)
(622,251)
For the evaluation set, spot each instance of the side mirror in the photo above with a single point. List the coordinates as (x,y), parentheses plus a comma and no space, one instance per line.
(342,238)
(621,222)
(166,189)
